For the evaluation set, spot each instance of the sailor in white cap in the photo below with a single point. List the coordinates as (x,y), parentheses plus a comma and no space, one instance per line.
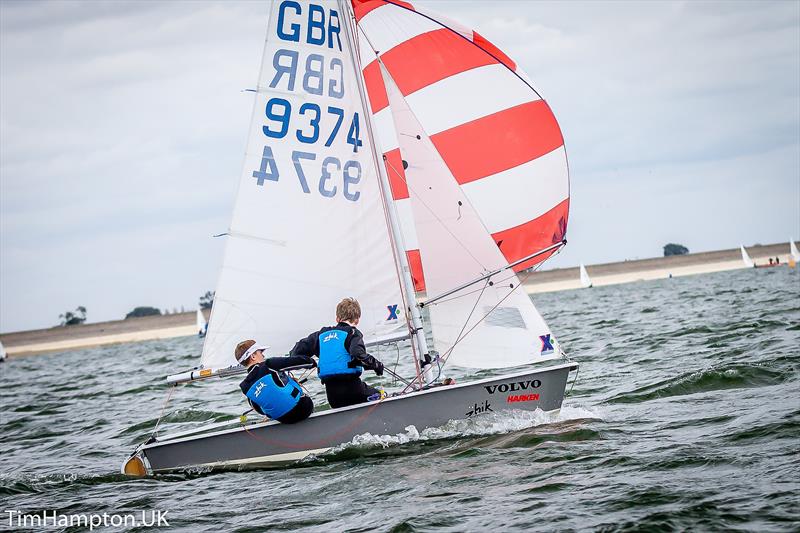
(269,388)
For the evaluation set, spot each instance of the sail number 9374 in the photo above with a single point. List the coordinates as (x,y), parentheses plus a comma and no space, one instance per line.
(279,111)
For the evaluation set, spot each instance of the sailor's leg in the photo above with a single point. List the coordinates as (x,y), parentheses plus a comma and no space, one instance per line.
(299,412)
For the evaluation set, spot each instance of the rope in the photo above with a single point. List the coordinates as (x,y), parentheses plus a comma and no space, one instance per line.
(163,407)
(577,373)
(458,337)
(319,443)
(520,284)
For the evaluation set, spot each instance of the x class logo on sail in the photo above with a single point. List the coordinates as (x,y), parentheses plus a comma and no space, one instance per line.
(515,386)
(547,344)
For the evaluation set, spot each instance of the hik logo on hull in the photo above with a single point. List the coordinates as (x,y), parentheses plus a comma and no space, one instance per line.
(515,386)
(479,409)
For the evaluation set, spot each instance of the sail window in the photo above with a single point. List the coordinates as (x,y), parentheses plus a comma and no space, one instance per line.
(504,317)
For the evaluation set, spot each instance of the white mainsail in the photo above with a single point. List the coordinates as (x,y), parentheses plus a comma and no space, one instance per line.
(746,257)
(793,251)
(3,353)
(586,281)
(308,226)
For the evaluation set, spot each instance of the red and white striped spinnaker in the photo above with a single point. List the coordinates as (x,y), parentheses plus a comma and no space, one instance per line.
(478,172)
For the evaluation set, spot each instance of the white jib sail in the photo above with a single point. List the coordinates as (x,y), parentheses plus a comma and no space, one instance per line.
(746,257)
(481,326)
(586,281)
(200,320)
(308,227)
(793,251)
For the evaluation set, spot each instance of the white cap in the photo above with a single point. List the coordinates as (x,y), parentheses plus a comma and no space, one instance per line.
(250,351)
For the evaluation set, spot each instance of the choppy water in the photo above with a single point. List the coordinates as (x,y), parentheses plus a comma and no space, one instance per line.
(686,415)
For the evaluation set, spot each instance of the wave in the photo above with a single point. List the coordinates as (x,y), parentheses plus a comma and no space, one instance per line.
(36,483)
(711,379)
(504,423)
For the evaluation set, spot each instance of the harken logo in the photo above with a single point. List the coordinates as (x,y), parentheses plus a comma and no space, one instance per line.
(513,387)
(392,312)
(512,398)
(330,336)
(547,344)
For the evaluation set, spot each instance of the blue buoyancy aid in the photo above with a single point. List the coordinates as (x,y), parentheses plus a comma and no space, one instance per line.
(334,360)
(274,400)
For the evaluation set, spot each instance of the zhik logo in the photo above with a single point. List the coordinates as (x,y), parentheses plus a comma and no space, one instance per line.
(330,336)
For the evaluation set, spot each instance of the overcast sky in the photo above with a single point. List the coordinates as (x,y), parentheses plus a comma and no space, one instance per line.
(122,132)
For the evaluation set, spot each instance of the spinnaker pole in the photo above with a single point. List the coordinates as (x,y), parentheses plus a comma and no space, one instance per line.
(406,281)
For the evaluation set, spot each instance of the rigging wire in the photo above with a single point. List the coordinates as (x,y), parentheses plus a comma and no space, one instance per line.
(389,164)
(163,407)
(520,284)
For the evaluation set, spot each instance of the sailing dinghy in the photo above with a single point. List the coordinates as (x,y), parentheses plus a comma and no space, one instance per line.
(794,254)
(746,258)
(400,158)
(586,281)
(202,325)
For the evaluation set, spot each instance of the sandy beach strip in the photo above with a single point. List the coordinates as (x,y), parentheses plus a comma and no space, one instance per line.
(60,338)
(90,342)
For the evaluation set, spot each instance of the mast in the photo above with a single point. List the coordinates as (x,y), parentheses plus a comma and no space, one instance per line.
(401,260)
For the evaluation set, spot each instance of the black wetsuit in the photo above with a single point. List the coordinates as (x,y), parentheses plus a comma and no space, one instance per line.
(344,389)
(277,367)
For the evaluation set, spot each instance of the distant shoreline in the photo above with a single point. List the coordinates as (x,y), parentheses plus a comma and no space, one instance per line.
(24,343)
(560,279)
(62,338)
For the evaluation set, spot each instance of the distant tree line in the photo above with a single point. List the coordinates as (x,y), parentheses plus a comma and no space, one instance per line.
(72,318)
(143,311)
(207,300)
(675,249)
(78,316)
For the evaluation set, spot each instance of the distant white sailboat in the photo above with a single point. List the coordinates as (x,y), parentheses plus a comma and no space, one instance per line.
(202,325)
(746,258)
(793,251)
(3,354)
(586,281)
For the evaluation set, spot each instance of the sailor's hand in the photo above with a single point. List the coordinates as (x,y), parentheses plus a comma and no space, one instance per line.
(378,368)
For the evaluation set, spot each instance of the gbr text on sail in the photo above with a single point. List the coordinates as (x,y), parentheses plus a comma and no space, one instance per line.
(308,106)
